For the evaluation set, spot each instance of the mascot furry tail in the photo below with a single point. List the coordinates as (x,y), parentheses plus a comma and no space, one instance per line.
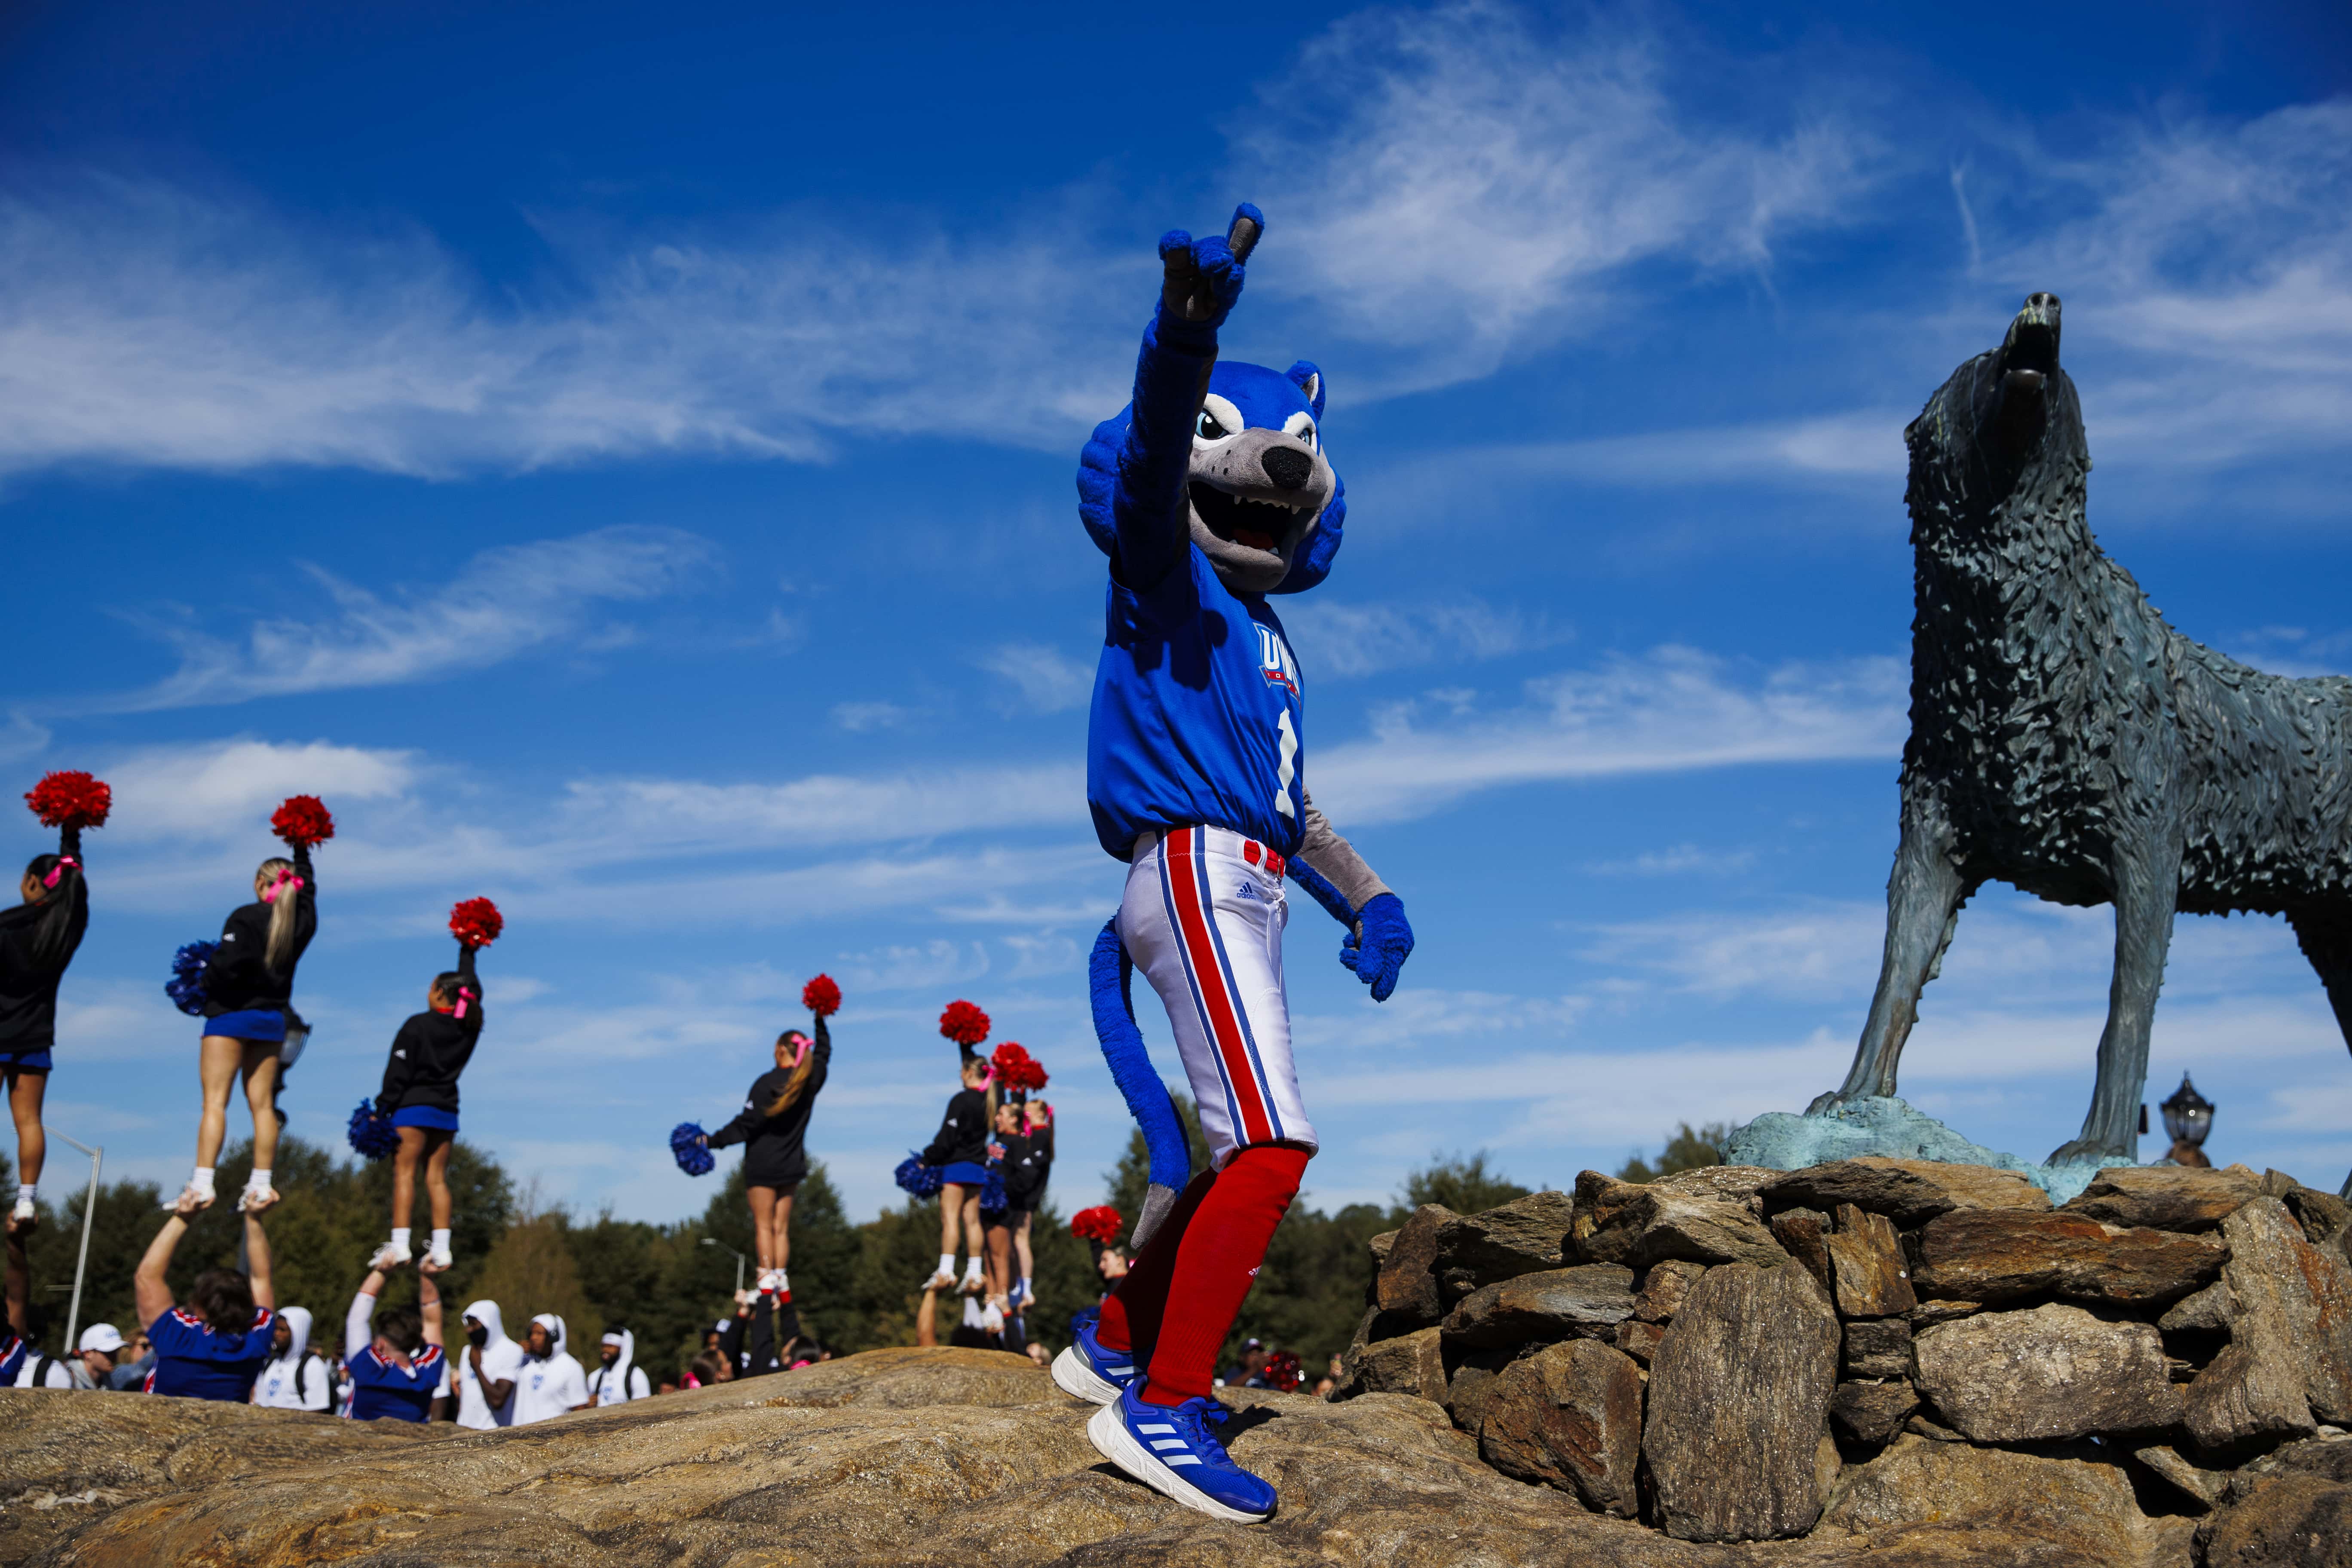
(1110,982)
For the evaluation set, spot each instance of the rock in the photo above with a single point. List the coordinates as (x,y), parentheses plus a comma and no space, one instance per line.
(1410,1363)
(1589,1299)
(1380,1244)
(1926,1314)
(2054,1371)
(1664,1287)
(1407,1283)
(1878,1348)
(1804,1234)
(1993,1255)
(2328,1458)
(2290,1308)
(1873,1278)
(1908,1192)
(2246,1395)
(1470,1383)
(2207,1311)
(2293,1522)
(2323,1217)
(1871,1413)
(2202,1487)
(2166,1197)
(1640,1340)
(1739,1395)
(2277,1183)
(1520,1238)
(1638,1224)
(2078,1512)
(1737,1184)
(1569,1416)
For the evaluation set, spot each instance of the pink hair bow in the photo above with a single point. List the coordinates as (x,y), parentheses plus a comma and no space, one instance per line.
(59,871)
(464,996)
(269,894)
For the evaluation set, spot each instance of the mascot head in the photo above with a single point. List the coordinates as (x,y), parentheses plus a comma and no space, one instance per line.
(1267,506)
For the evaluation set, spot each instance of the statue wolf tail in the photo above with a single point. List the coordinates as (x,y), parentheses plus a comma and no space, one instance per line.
(1110,982)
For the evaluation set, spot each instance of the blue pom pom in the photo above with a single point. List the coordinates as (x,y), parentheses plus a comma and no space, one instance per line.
(685,1146)
(917,1179)
(991,1192)
(186,986)
(371,1136)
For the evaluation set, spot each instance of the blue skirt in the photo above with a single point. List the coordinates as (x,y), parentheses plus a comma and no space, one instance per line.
(425,1116)
(36,1060)
(266,1024)
(964,1174)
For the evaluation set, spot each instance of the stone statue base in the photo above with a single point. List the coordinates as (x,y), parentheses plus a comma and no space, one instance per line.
(1783,1141)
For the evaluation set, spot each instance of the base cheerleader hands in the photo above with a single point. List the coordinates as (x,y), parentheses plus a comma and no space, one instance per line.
(1210,493)
(772,1127)
(419,1096)
(39,938)
(248,999)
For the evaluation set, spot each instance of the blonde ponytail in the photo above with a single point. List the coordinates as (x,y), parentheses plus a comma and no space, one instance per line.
(277,951)
(798,1083)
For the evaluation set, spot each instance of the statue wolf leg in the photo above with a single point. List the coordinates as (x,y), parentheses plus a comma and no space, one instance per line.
(1924,896)
(2325,934)
(2146,887)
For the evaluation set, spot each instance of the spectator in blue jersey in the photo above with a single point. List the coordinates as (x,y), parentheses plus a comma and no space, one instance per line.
(393,1357)
(215,1346)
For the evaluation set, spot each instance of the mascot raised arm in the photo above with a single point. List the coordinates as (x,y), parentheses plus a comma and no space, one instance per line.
(1209,493)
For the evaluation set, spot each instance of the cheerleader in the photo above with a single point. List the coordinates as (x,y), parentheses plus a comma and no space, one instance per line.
(1028,1164)
(248,996)
(957,1154)
(772,1127)
(420,1088)
(39,938)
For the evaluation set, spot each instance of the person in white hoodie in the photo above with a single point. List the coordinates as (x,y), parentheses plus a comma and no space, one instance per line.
(619,1380)
(488,1371)
(551,1382)
(296,1377)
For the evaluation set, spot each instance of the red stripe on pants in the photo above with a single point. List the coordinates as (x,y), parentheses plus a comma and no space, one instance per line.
(1204,1260)
(1185,875)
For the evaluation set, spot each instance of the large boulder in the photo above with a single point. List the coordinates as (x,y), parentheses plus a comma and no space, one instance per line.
(1570,1417)
(1908,1192)
(2291,1507)
(1406,1285)
(2078,1512)
(1995,1255)
(1739,1395)
(2166,1197)
(2054,1371)
(1641,1223)
(1589,1299)
(2288,1306)
(1521,1237)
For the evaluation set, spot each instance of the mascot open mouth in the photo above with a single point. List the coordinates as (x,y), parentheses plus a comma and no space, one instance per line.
(1245,519)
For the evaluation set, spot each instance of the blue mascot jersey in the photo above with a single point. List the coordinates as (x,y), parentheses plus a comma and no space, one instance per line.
(1197,715)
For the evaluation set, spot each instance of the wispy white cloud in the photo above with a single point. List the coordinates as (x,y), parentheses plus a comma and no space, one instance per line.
(501,603)
(1351,639)
(1671,710)
(227,789)
(1046,680)
(1675,860)
(857,718)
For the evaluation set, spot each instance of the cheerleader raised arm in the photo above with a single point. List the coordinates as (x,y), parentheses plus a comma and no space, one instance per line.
(419,1097)
(248,989)
(774,1128)
(39,938)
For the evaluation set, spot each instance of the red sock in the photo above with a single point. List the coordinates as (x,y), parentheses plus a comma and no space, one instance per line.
(1216,1263)
(1131,1313)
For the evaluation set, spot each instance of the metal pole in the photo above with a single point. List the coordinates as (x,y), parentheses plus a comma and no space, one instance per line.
(714,1241)
(89,1209)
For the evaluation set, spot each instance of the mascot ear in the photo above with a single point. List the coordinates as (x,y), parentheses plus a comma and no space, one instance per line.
(1309,380)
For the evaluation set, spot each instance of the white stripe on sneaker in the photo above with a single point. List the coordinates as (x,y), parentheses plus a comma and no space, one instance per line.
(1158,1427)
(1181,1459)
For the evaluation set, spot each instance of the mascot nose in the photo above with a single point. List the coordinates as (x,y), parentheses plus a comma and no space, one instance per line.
(1287,466)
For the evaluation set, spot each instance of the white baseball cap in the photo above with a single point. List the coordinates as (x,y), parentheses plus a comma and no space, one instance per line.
(103,1337)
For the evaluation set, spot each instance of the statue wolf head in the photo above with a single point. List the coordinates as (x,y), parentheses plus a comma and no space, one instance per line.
(1266,505)
(2000,443)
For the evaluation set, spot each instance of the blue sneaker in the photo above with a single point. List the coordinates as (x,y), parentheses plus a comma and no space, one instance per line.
(1171,1451)
(1088,1370)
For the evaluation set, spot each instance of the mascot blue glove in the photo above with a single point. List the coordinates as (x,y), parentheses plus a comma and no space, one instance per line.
(1379,945)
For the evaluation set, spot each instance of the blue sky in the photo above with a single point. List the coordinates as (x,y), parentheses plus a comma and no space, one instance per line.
(622,458)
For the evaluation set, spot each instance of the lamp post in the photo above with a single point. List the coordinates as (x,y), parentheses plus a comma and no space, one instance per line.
(89,1208)
(714,1241)
(2188,1116)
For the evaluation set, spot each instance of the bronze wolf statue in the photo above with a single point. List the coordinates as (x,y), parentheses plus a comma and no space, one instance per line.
(2068,742)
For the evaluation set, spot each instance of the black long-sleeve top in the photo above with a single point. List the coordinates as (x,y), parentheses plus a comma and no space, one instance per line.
(1028,1160)
(431,1048)
(28,980)
(239,977)
(754,1337)
(964,1132)
(776,1156)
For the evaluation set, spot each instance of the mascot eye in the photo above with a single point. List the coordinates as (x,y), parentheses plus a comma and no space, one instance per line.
(1302,426)
(1208,429)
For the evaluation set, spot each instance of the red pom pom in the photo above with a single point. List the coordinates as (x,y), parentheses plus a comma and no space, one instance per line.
(476,922)
(822,997)
(303,819)
(70,800)
(1100,1224)
(964,1024)
(1015,1069)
